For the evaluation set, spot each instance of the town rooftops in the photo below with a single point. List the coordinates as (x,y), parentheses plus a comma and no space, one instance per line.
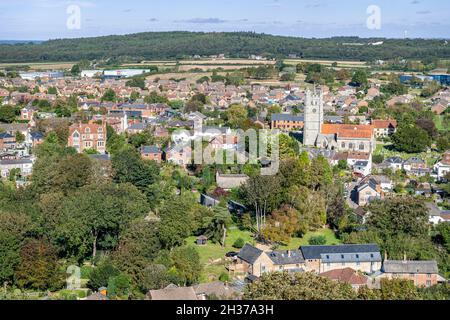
(4,135)
(15,162)
(397,266)
(384,124)
(249,254)
(316,252)
(394,160)
(286,257)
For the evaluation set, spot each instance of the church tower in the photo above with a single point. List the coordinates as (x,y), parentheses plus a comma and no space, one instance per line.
(313,117)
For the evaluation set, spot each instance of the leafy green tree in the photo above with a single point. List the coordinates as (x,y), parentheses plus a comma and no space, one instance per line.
(38,268)
(153,97)
(100,275)
(411,139)
(8,113)
(360,78)
(129,167)
(215,226)
(155,277)
(95,215)
(109,96)
(297,286)
(396,215)
(119,286)
(236,114)
(176,221)
(138,246)
(186,261)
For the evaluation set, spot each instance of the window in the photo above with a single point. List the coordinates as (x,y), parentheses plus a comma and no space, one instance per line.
(428,283)
(361,146)
(342,256)
(343,145)
(87,130)
(357,256)
(100,144)
(429,275)
(76,135)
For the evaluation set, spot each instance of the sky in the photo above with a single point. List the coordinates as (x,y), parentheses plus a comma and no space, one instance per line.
(48,19)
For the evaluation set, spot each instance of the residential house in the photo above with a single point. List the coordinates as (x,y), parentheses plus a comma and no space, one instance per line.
(7,141)
(393,163)
(85,136)
(368,192)
(442,168)
(384,128)
(179,154)
(152,153)
(36,138)
(216,290)
(25,167)
(422,273)
(360,257)
(416,166)
(287,122)
(254,262)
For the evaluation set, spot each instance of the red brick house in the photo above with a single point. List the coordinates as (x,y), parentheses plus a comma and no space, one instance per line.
(85,136)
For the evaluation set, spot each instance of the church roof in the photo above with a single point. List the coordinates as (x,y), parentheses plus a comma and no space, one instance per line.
(348,130)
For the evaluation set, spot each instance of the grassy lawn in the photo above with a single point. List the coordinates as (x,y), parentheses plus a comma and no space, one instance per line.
(439,122)
(212,256)
(297,242)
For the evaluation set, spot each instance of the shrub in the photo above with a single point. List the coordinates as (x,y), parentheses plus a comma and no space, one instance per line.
(239,243)
(224,277)
(317,241)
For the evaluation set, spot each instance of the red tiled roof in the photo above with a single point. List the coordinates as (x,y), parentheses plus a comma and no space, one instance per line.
(384,124)
(346,275)
(348,130)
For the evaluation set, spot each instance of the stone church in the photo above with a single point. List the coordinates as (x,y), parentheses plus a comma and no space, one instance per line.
(339,137)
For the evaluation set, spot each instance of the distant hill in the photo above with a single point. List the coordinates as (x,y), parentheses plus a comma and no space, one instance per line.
(176,45)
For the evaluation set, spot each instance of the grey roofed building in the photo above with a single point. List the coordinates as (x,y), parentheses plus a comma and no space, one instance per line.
(286,257)
(398,266)
(231,181)
(350,257)
(12,128)
(172,293)
(138,126)
(317,252)
(215,289)
(15,161)
(150,150)
(394,160)
(249,254)
(287,117)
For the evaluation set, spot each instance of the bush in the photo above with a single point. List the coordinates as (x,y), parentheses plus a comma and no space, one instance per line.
(239,243)
(378,158)
(317,241)
(224,277)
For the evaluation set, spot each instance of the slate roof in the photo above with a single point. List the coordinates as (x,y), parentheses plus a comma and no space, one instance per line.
(37,135)
(287,117)
(286,257)
(397,266)
(5,135)
(249,254)
(316,252)
(150,150)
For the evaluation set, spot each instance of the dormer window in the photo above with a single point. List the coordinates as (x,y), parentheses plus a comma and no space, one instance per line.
(87,130)
(76,134)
